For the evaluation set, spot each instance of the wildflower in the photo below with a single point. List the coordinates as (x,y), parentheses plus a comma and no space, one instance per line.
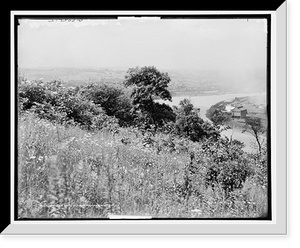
(198,211)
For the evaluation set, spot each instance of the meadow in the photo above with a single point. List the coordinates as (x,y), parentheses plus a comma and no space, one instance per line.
(67,172)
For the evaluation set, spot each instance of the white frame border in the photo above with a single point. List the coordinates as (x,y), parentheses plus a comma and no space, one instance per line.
(278,225)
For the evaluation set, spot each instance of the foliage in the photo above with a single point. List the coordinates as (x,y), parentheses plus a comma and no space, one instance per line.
(162,114)
(259,163)
(53,101)
(229,166)
(218,117)
(255,124)
(112,100)
(149,83)
(186,107)
(256,128)
(189,124)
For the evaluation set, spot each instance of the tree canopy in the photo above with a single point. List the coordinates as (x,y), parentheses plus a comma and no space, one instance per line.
(189,124)
(148,84)
(256,128)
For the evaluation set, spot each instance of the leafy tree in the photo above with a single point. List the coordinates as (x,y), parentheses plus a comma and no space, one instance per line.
(189,124)
(148,84)
(219,118)
(186,107)
(256,128)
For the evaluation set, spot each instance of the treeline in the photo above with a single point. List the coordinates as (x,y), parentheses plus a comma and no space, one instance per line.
(98,106)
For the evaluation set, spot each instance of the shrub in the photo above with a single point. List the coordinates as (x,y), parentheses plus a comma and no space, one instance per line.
(189,124)
(218,117)
(229,175)
(229,166)
(31,93)
(112,99)
(105,122)
(63,105)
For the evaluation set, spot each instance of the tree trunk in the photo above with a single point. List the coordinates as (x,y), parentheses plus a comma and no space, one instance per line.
(258,142)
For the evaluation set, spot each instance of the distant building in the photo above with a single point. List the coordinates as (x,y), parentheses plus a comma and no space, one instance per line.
(228,108)
(239,112)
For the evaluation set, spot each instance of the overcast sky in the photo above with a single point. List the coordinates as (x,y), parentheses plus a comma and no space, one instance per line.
(219,44)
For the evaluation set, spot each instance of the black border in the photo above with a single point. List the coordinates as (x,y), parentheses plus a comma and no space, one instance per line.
(16,121)
(229,5)
(185,16)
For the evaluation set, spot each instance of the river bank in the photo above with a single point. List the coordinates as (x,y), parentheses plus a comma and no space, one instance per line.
(205,102)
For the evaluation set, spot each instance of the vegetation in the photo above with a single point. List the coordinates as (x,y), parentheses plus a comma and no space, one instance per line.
(188,123)
(88,151)
(218,117)
(256,128)
(148,83)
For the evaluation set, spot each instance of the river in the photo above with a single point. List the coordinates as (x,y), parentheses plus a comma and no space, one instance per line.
(205,102)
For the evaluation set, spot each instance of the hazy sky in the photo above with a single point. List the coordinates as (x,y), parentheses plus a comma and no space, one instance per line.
(222,44)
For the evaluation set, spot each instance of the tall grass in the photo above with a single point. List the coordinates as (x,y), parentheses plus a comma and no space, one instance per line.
(66,172)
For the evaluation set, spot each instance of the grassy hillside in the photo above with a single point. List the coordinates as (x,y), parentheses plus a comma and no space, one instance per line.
(67,172)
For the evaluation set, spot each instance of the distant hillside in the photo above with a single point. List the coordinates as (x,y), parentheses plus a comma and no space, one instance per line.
(74,76)
(183,82)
